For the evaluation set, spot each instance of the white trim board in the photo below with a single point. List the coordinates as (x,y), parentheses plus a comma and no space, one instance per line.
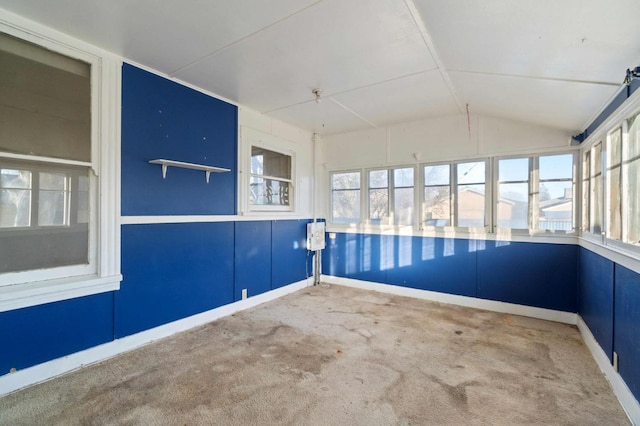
(452,299)
(39,373)
(629,403)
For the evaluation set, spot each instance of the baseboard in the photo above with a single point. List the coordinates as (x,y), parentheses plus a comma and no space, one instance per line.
(39,373)
(629,403)
(452,299)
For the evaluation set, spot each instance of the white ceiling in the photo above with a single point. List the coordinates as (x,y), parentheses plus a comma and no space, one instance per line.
(378,62)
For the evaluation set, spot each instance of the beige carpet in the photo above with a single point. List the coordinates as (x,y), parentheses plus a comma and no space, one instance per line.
(338,356)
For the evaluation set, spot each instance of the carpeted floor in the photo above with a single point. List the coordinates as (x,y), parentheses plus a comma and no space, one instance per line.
(338,356)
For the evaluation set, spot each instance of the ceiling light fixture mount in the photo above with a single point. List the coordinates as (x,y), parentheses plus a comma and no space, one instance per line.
(318,94)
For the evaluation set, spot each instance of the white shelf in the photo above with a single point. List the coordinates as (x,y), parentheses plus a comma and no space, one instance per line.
(207,169)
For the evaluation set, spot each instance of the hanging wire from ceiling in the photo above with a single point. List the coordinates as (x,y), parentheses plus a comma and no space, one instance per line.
(468,122)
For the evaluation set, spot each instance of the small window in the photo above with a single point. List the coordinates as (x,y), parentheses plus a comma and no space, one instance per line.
(345,197)
(270,183)
(403,198)
(513,193)
(378,196)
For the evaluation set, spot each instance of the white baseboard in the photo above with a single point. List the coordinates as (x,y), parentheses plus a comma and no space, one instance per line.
(620,388)
(452,299)
(39,373)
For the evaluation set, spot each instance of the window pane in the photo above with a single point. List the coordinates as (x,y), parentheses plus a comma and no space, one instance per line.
(10,178)
(270,163)
(15,208)
(378,179)
(51,208)
(471,205)
(595,218)
(437,206)
(56,181)
(345,180)
(345,206)
(586,190)
(269,192)
(403,177)
(378,205)
(471,172)
(632,190)
(403,206)
(556,167)
(45,102)
(614,156)
(436,175)
(614,224)
(514,169)
(513,205)
(556,209)
(82,196)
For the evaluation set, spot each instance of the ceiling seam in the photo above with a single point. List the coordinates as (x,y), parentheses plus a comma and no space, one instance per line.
(527,77)
(417,19)
(240,40)
(328,95)
(346,108)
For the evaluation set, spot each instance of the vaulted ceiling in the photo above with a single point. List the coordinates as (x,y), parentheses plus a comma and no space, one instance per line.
(377,62)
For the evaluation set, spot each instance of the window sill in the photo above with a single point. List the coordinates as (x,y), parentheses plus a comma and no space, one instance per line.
(18,296)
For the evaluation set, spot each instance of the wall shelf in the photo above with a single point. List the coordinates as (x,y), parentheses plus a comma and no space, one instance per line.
(171,163)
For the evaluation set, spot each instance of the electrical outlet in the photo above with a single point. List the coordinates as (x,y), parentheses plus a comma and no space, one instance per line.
(615,361)
(244,293)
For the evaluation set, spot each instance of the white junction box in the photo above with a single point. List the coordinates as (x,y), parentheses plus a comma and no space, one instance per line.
(315,236)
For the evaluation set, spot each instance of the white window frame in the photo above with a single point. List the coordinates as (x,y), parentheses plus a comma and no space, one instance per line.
(249,138)
(364,202)
(618,118)
(102,274)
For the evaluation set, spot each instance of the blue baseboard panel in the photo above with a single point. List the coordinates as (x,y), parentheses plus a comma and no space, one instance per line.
(37,334)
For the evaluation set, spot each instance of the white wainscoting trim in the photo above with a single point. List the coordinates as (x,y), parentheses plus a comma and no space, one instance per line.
(470,302)
(39,373)
(620,388)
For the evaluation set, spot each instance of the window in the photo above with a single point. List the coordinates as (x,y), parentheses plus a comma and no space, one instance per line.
(59,107)
(614,168)
(595,185)
(403,196)
(536,193)
(470,205)
(513,193)
(555,193)
(345,197)
(436,207)
(586,190)
(631,192)
(270,183)
(378,196)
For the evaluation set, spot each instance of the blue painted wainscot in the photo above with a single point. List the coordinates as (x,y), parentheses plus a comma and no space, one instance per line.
(532,274)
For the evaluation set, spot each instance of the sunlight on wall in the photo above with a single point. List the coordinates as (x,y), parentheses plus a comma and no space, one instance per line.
(449,247)
(351,254)
(387,248)
(428,248)
(405,251)
(366,254)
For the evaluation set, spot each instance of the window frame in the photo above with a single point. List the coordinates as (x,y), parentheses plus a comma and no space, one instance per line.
(361,202)
(102,274)
(291,181)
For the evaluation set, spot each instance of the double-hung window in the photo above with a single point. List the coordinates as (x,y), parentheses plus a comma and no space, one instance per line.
(345,197)
(58,236)
(535,194)
(454,195)
(378,181)
(631,187)
(403,196)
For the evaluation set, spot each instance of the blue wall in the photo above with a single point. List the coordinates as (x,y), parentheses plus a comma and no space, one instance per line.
(610,306)
(533,274)
(171,270)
